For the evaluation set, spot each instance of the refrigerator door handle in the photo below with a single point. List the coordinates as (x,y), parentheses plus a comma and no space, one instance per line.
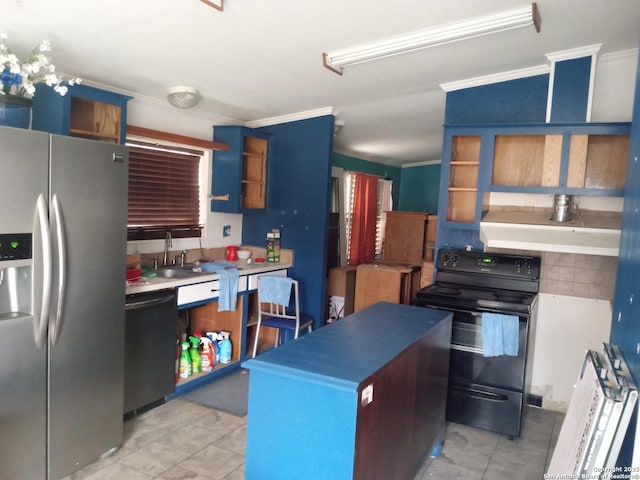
(56,324)
(41,224)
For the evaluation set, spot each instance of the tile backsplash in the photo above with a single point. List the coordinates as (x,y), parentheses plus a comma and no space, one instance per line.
(575,275)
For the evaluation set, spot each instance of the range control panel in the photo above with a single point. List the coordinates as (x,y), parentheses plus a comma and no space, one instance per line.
(489,263)
(15,246)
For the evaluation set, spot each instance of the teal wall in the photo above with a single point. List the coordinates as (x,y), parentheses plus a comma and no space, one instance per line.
(419,187)
(415,189)
(353,164)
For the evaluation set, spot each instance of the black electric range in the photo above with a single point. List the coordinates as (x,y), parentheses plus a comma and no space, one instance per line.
(486,392)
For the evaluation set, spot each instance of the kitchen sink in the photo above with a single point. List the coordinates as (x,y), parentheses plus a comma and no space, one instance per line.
(176,271)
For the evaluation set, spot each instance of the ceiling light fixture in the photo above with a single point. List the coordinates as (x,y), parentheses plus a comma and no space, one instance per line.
(183,97)
(521,17)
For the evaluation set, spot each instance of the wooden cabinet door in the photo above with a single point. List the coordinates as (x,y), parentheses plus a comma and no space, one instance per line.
(405,237)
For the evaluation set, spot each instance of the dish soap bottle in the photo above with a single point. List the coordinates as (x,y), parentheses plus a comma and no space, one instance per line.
(207,359)
(195,354)
(225,348)
(185,361)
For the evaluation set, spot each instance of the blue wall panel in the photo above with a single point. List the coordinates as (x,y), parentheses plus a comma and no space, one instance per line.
(625,325)
(571,90)
(516,101)
(298,204)
(420,187)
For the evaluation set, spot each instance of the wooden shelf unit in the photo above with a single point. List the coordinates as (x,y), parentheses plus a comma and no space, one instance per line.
(254,172)
(464,167)
(240,174)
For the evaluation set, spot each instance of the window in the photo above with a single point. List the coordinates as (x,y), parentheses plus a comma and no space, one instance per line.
(164,191)
(384,203)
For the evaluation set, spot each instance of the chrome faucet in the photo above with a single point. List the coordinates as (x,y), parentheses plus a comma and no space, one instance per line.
(167,245)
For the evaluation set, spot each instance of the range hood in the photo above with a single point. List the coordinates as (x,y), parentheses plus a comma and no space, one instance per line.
(589,233)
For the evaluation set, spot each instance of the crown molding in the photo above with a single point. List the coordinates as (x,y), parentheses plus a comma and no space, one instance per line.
(495,78)
(572,53)
(293,117)
(621,54)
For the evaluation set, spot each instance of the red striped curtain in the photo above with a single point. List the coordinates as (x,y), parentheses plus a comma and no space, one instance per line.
(362,244)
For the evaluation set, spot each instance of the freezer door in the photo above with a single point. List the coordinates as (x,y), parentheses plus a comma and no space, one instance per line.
(86,366)
(23,366)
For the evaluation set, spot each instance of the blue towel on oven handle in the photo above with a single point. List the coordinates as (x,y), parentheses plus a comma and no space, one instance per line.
(500,334)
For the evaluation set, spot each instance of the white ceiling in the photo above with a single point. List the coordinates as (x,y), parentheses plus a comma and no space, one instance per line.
(263,58)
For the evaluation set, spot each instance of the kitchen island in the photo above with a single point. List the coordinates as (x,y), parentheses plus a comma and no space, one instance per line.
(361,398)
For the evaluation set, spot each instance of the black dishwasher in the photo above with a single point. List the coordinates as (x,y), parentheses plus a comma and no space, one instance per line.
(150,349)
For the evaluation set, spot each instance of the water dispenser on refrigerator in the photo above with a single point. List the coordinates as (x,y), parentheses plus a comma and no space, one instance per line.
(15,275)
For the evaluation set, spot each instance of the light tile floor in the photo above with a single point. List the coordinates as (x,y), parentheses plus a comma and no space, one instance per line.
(182,440)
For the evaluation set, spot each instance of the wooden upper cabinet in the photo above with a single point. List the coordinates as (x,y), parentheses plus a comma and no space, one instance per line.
(95,120)
(527,160)
(598,161)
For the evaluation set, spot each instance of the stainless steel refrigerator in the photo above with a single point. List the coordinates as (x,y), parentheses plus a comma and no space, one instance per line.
(63,212)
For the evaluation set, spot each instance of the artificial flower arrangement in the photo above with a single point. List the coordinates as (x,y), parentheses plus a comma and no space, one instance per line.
(20,79)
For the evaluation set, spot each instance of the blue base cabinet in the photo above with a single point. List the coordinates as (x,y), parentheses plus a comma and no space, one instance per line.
(361,398)
(85,112)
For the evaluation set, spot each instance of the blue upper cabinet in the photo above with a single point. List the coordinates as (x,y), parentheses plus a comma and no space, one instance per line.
(573,159)
(239,179)
(84,111)
(580,159)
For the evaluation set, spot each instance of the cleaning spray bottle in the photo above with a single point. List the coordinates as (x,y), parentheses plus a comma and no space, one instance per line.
(195,354)
(207,358)
(213,336)
(225,348)
(185,360)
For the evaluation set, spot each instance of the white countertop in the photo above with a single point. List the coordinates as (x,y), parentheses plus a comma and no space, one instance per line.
(160,283)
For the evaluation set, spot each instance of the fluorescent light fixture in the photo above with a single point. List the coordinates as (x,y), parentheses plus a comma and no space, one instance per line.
(521,17)
(218,5)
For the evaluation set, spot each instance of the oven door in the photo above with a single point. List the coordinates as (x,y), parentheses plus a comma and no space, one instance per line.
(468,365)
(485,392)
